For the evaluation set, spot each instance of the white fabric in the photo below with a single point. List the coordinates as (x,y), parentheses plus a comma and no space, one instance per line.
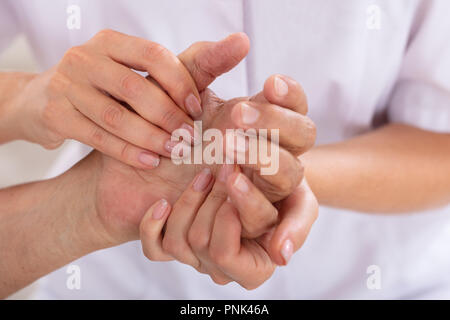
(354,75)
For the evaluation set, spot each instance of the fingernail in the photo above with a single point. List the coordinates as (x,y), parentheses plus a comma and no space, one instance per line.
(287,250)
(225,172)
(249,114)
(160,209)
(149,159)
(281,87)
(240,183)
(193,105)
(170,145)
(202,180)
(190,129)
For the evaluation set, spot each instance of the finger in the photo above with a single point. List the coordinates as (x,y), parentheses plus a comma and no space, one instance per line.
(296,132)
(175,240)
(257,214)
(206,61)
(298,213)
(114,118)
(200,232)
(285,92)
(151,229)
(149,101)
(246,263)
(160,63)
(273,170)
(84,130)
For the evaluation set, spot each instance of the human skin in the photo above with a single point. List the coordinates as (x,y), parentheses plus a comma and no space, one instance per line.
(79,99)
(208,212)
(100,203)
(396,168)
(198,60)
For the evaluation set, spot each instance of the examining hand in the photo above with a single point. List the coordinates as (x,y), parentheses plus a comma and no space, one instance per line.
(214,244)
(79,99)
(124,194)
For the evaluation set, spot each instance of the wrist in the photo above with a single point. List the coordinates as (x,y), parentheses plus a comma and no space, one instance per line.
(14,120)
(88,232)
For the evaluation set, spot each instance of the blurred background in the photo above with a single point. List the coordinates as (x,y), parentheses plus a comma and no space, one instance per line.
(22,161)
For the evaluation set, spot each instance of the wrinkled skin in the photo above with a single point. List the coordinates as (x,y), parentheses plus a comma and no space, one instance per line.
(125,193)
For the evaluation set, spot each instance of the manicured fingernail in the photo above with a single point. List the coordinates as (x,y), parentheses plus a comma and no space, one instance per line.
(281,87)
(225,172)
(149,159)
(193,105)
(202,180)
(160,209)
(190,129)
(170,145)
(287,250)
(249,114)
(240,183)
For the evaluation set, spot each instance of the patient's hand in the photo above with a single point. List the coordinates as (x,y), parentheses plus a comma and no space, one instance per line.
(125,193)
(213,244)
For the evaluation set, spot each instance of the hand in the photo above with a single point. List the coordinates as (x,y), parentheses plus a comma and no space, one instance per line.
(214,244)
(83,98)
(124,194)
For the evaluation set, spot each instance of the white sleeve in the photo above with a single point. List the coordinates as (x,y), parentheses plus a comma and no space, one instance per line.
(421,96)
(9,25)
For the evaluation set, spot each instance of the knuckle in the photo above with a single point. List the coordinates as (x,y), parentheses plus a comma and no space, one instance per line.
(217,195)
(219,280)
(185,202)
(253,229)
(124,152)
(256,224)
(104,34)
(75,56)
(173,246)
(98,137)
(130,85)
(290,177)
(198,240)
(154,51)
(148,253)
(171,118)
(153,254)
(112,116)
(182,83)
(219,258)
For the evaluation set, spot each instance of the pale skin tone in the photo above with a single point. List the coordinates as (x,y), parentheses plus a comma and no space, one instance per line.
(78,99)
(341,176)
(101,201)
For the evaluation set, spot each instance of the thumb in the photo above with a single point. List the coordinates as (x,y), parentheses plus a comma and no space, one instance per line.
(208,60)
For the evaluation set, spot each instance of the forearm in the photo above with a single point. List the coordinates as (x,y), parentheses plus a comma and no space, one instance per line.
(396,168)
(45,225)
(12,85)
